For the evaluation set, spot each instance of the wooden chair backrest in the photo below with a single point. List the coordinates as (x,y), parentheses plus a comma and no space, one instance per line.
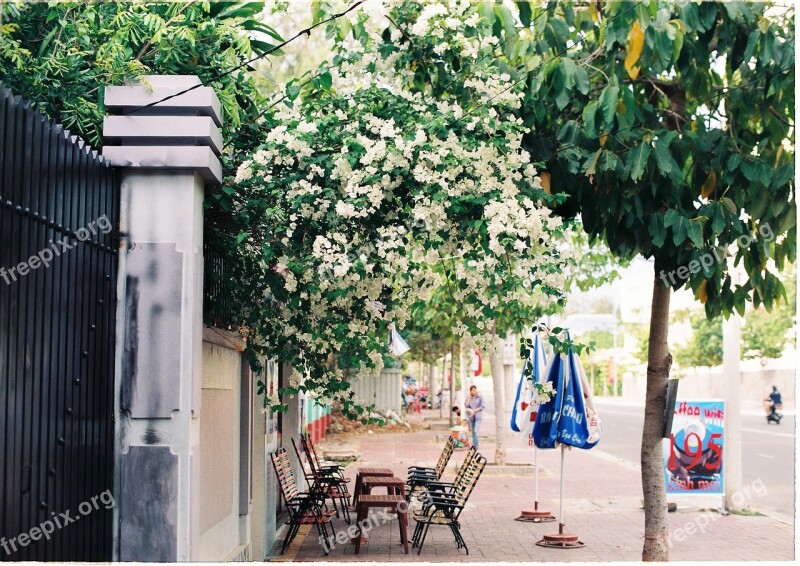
(444,457)
(470,478)
(285,475)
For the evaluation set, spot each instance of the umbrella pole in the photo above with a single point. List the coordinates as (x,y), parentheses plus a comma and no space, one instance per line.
(536,478)
(537,515)
(561,539)
(561,495)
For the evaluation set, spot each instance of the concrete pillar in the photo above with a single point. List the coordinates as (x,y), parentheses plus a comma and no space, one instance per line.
(292,426)
(167,155)
(732,456)
(465,372)
(510,357)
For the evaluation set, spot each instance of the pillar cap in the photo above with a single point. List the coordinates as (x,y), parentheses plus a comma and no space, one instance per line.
(181,133)
(202,101)
(199,159)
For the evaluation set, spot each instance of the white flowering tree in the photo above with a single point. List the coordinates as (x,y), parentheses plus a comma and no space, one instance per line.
(368,194)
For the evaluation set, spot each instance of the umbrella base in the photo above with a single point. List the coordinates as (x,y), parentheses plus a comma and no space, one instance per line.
(535,516)
(561,539)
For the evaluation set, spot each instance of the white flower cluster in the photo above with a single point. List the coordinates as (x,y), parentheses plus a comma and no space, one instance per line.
(386,207)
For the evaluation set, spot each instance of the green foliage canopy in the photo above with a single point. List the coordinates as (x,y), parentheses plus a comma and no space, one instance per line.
(61,55)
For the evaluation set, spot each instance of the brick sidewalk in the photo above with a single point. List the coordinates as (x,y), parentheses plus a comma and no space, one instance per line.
(602,504)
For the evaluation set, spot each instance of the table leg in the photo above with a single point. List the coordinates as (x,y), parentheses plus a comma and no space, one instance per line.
(361,512)
(402,514)
(356,490)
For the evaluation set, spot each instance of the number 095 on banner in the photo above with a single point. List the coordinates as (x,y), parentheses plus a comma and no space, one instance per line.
(693,452)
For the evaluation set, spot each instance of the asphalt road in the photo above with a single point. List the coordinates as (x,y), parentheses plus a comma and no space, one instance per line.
(768,453)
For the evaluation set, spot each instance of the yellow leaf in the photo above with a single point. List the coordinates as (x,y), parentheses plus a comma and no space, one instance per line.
(545,177)
(702,294)
(635,44)
(603,138)
(709,186)
(593,12)
(778,156)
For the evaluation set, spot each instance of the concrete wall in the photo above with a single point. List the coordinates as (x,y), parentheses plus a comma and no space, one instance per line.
(224,525)
(711,384)
(383,390)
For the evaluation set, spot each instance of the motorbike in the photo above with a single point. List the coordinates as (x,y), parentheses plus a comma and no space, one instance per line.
(773,416)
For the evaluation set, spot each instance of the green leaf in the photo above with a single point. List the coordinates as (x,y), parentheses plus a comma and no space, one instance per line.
(664,160)
(695,232)
(751,45)
(293,90)
(582,80)
(658,232)
(671,217)
(524,12)
(608,102)
(590,167)
(730,205)
(679,231)
(568,69)
(589,114)
(325,80)
(637,160)
(734,161)
(677,43)
(718,221)
(563,95)
(609,162)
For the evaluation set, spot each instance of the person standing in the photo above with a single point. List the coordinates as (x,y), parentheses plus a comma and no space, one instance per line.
(475,407)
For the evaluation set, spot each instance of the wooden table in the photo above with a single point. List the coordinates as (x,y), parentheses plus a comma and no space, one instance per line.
(393,485)
(363,472)
(397,502)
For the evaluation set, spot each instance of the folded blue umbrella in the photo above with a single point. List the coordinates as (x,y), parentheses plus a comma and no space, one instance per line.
(564,419)
(526,396)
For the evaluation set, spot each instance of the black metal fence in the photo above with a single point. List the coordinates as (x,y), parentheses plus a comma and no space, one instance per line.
(218,304)
(59,207)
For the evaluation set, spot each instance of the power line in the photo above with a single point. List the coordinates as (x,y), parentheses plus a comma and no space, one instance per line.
(307,32)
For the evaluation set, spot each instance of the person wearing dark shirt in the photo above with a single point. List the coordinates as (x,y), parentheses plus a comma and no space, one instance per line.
(775,401)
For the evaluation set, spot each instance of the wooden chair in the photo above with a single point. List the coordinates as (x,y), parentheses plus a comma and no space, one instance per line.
(445,507)
(448,487)
(331,485)
(311,453)
(304,508)
(419,476)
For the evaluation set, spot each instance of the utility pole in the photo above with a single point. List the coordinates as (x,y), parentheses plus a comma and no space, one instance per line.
(462,373)
(732,458)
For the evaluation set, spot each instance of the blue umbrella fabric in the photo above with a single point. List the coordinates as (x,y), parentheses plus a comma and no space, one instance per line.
(565,418)
(526,402)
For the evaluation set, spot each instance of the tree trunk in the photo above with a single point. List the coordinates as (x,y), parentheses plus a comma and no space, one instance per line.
(452,381)
(462,374)
(499,409)
(431,396)
(659,361)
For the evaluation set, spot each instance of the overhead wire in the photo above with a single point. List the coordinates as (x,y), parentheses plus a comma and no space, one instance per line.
(307,32)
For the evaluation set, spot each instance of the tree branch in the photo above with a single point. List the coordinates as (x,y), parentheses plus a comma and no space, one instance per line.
(149,43)
(780,118)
